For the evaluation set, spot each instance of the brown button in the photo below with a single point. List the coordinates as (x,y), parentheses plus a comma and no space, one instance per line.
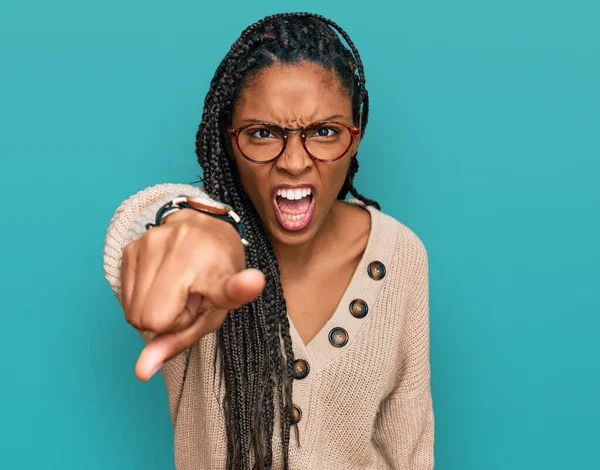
(301,369)
(338,337)
(359,308)
(376,270)
(296,414)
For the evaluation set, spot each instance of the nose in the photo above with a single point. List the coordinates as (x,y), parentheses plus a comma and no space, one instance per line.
(294,159)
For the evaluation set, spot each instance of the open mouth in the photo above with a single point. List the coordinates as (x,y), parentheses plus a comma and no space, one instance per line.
(294,207)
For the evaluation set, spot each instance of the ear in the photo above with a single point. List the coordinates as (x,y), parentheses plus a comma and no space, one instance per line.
(355,145)
(228,142)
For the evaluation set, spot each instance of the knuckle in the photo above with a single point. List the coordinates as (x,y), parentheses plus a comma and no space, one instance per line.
(155,322)
(132,320)
(152,236)
(151,324)
(146,324)
(181,233)
(131,247)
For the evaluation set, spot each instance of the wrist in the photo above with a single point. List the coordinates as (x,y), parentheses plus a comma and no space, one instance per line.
(186,214)
(211,209)
(199,220)
(209,228)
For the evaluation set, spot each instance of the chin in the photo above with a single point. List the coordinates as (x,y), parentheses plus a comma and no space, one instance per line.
(296,237)
(282,235)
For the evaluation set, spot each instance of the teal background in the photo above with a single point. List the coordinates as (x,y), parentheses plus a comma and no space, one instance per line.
(483,138)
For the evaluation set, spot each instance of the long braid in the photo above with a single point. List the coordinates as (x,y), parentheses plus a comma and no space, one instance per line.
(256,369)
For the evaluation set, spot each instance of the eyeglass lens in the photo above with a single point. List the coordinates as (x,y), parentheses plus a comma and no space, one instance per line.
(326,141)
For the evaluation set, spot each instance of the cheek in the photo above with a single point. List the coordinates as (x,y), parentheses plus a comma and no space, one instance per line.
(252,176)
(336,175)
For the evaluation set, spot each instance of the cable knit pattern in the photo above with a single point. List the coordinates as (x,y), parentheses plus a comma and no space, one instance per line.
(366,405)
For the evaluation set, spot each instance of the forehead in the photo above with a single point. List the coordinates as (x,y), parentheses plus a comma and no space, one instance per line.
(293,94)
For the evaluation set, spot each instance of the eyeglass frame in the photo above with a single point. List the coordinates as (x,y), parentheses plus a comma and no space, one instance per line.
(235,133)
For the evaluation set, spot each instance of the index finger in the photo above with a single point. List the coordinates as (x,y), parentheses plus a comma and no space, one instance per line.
(167,345)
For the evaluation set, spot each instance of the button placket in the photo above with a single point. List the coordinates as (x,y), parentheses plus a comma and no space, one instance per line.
(302,374)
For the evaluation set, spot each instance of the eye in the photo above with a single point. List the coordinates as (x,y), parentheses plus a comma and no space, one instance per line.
(262,133)
(325,132)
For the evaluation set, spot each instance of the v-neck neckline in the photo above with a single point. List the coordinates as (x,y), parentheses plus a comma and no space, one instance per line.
(319,350)
(336,313)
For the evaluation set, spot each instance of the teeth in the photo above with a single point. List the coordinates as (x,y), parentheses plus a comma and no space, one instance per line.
(294,194)
(293,217)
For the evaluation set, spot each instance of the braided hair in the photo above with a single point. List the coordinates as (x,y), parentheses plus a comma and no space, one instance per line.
(253,344)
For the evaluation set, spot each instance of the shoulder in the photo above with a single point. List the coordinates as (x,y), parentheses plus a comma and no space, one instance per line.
(408,257)
(410,249)
(394,234)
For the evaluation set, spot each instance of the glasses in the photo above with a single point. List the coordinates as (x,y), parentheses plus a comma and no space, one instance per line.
(265,142)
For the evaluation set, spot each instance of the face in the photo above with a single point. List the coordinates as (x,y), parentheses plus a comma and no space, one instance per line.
(293,96)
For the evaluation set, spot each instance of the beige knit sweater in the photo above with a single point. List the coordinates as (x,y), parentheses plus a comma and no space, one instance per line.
(365,405)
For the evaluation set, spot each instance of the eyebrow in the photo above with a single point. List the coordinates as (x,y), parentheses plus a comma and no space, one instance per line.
(328,118)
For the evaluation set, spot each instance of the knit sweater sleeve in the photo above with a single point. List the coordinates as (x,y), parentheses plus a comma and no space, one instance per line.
(404,429)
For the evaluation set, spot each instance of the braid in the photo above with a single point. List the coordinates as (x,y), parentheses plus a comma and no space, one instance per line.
(348,186)
(254,345)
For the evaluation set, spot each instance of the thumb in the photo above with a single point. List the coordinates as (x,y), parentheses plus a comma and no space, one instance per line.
(232,291)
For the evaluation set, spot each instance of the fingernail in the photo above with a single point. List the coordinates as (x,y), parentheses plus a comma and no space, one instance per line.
(156,369)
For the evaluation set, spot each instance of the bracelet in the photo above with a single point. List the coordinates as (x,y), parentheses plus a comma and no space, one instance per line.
(215,209)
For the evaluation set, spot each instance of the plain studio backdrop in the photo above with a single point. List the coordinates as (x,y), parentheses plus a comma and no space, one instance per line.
(483,138)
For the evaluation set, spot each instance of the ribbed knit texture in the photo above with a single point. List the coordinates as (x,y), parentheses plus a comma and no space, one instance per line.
(366,405)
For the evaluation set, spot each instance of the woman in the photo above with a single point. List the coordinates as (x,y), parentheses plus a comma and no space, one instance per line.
(309,348)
